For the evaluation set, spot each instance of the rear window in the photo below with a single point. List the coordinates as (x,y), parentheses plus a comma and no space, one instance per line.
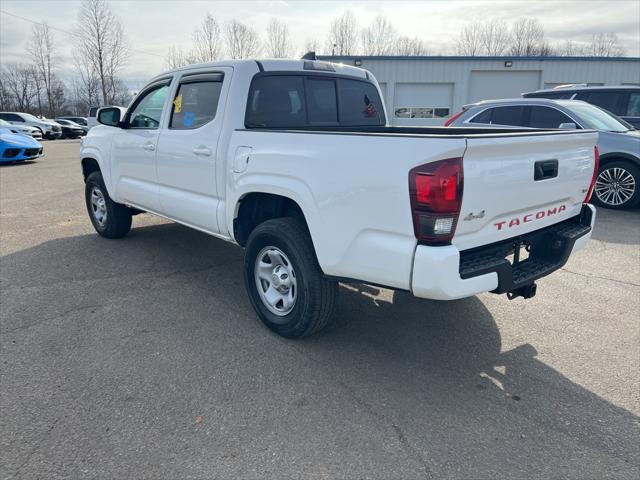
(295,101)
(360,104)
(322,101)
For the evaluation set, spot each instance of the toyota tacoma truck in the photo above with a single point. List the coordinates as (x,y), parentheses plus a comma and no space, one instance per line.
(294,161)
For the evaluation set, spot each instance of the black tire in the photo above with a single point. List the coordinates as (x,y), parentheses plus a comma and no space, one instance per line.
(315,294)
(599,195)
(118,217)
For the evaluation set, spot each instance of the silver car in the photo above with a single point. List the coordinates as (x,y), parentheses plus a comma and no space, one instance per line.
(24,129)
(618,183)
(50,129)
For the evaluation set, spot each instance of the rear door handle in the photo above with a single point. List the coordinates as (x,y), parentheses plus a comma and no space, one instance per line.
(150,147)
(202,151)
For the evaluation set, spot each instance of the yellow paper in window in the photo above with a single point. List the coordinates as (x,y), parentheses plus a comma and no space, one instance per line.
(177,104)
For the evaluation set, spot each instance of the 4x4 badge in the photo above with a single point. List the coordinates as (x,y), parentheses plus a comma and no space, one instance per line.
(473,216)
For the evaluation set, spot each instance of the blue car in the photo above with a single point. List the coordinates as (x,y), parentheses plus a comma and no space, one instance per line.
(16,147)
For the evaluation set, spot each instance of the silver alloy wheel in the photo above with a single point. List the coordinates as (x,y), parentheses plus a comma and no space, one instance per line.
(615,186)
(276,281)
(98,206)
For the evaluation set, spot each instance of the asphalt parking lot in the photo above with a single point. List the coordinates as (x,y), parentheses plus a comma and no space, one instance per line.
(142,358)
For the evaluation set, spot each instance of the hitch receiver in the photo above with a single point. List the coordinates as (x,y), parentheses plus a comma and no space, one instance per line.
(527,291)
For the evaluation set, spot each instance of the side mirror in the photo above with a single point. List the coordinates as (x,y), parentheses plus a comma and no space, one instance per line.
(568,126)
(109,116)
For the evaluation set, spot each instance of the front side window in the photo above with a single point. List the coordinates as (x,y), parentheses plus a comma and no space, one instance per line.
(359,104)
(277,101)
(147,110)
(195,104)
(546,117)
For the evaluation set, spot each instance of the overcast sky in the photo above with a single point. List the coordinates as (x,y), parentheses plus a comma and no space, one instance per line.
(154,25)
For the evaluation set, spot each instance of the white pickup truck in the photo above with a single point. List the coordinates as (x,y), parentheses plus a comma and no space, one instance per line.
(294,161)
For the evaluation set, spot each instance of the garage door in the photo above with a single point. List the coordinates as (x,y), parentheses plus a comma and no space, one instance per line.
(493,85)
(422,103)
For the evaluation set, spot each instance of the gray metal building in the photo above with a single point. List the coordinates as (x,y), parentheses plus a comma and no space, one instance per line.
(428,90)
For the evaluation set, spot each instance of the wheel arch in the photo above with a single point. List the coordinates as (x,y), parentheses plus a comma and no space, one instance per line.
(255,207)
(619,157)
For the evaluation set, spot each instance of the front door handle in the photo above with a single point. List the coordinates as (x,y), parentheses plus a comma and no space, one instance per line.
(202,151)
(150,147)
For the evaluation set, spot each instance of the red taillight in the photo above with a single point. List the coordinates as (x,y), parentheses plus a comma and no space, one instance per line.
(435,190)
(596,165)
(450,121)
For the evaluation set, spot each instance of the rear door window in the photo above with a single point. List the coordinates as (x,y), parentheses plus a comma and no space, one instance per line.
(547,117)
(633,107)
(509,116)
(277,101)
(607,100)
(359,104)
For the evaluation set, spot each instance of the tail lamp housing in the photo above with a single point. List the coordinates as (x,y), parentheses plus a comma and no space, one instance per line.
(435,190)
(594,178)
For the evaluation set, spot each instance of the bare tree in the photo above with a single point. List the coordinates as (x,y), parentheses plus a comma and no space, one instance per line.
(176,57)
(101,43)
(410,47)
(494,37)
(527,37)
(312,45)
(242,41)
(278,43)
(379,38)
(87,82)
(19,82)
(41,50)
(606,44)
(470,40)
(207,40)
(572,49)
(343,35)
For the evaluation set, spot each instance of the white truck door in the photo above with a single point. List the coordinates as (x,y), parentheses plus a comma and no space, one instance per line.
(188,148)
(133,154)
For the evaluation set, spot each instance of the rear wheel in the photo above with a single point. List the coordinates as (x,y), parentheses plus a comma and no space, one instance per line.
(617,185)
(284,281)
(110,219)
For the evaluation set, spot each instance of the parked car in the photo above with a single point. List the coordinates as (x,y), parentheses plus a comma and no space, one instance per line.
(295,162)
(71,129)
(618,184)
(17,147)
(623,101)
(82,121)
(50,129)
(24,129)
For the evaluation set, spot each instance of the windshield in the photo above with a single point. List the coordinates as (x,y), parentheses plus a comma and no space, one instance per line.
(598,118)
(31,118)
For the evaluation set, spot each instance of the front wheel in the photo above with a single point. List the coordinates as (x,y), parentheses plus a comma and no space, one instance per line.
(284,281)
(617,185)
(110,219)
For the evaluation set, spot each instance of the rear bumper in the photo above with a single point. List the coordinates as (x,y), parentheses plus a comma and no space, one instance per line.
(445,273)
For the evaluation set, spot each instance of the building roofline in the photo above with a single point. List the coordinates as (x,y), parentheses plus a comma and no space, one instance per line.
(481,58)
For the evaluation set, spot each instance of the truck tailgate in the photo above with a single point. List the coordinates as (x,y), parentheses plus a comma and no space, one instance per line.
(516,184)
